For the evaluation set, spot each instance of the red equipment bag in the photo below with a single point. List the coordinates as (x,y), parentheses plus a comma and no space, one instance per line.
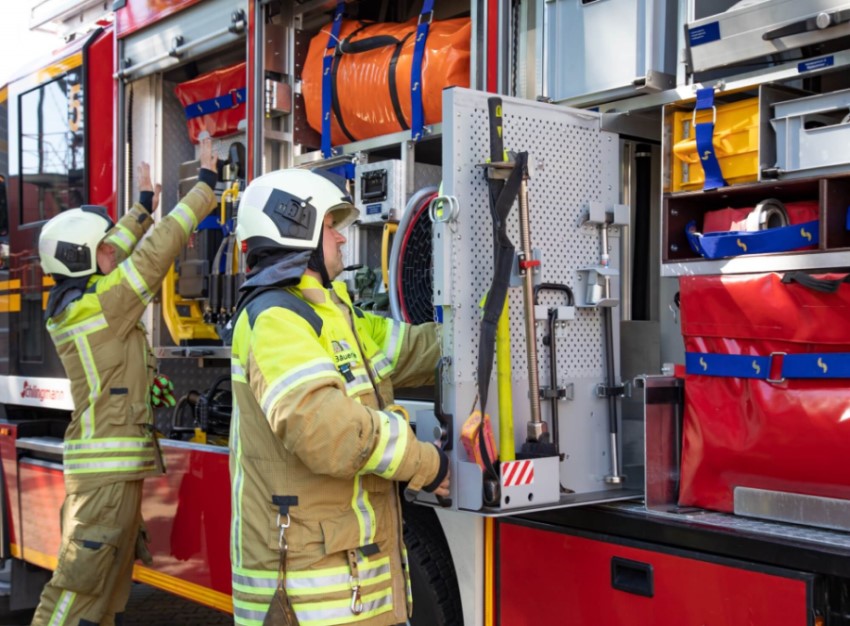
(767,403)
(371,75)
(214,102)
(736,219)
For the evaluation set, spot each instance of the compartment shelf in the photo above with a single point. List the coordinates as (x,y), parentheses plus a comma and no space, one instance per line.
(832,194)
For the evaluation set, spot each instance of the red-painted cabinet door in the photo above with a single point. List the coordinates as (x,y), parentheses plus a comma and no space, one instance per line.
(548,578)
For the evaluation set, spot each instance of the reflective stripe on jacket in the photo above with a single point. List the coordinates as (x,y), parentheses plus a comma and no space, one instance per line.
(104,349)
(307,423)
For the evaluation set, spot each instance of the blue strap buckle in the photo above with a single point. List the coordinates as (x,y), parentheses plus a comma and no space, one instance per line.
(713,115)
(781,378)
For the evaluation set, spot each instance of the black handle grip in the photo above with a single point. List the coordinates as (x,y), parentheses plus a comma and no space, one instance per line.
(497,145)
(632,577)
(446,419)
(367,44)
(554,287)
(410,496)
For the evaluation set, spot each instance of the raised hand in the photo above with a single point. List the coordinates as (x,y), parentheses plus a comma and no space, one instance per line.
(209,159)
(144,176)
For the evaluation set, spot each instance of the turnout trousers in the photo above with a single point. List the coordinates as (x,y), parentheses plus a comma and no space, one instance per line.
(101,534)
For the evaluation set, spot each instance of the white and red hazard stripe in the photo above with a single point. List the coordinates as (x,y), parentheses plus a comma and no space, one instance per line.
(518,473)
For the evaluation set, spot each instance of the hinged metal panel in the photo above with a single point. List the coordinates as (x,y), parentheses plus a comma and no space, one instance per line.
(572,164)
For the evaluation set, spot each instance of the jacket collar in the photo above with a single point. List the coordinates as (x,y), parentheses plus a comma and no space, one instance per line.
(284,270)
(313,291)
(67,291)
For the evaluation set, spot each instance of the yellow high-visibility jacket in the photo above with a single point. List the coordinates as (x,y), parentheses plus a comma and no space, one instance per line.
(104,349)
(307,371)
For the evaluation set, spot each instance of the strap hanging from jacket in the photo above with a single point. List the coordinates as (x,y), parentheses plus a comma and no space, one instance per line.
(281,611)
(735,243)
(230,100)
(417,121)
(327,79)
(705,140)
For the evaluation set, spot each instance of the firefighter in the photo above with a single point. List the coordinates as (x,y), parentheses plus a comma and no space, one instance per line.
(104,281)
(317,447)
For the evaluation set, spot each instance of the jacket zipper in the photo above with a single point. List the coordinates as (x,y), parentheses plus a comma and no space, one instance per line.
(396,499)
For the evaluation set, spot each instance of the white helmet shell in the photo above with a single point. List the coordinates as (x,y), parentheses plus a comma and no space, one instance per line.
(68,242)
(286,209)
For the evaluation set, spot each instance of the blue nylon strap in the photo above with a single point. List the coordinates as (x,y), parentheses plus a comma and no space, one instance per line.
(735,243)
(817,365)
(826,365)
(210,222)
(346,170)
(734,365)
(230,100)
(705,142)
(417,121)
(327,79)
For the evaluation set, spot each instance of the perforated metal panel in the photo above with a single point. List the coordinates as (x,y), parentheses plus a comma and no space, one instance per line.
(572,163)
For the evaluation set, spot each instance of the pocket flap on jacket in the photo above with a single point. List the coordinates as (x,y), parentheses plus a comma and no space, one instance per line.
(341,533)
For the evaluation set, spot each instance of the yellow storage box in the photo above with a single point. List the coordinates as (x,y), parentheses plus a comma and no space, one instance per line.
(736,143)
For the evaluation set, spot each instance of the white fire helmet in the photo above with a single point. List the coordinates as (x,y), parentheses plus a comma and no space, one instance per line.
(68,242)
(286,209)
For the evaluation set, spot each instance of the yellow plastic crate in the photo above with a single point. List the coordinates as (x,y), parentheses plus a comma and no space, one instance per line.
(736,144)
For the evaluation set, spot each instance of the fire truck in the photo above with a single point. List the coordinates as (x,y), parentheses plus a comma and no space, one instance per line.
(618,209)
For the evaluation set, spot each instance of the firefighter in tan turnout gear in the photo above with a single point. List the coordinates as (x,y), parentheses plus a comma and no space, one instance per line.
(104,281)
(315,447)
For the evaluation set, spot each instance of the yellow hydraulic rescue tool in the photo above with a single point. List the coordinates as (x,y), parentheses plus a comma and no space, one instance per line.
(191,326)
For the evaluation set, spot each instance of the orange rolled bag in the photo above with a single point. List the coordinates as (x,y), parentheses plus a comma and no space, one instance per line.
(371,73)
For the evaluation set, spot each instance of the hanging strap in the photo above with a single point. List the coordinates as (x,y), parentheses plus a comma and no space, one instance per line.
(327,78)
(824,285)
(811,365)
(705,140)
(417,122)
(230,100)
(735,243)
(503,264)
(391,79)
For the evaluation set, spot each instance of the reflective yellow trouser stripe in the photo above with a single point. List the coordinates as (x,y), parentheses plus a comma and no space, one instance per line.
(63,606)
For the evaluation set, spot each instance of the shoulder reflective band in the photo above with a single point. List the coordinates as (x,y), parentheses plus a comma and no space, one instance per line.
(728,365)
(230,100)
(327,79)
(705,140)
(417,121)
(735,243)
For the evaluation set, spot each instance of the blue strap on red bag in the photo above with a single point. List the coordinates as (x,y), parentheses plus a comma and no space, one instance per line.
(813,365)
(719,245)
(230,100)
(705,140)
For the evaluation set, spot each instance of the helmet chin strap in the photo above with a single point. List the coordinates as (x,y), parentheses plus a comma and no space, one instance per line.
(317,262)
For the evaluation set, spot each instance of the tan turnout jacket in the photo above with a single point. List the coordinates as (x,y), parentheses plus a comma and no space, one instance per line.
(307,375)
(104,349)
